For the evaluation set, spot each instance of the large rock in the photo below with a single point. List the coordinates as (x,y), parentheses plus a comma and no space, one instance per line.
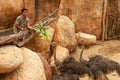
(10,58)
(88,38)
(41,45)
(65,33)
(9,10)
(86,18)
(61,54)
(47,68)
(31,69)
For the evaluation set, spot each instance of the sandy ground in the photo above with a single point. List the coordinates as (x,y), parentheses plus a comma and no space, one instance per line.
(109,49)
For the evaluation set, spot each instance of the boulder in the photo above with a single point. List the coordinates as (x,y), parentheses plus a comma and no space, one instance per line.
(31,69)
(10,59)
(61,54)
(65,33)
(88,38)
(47,68)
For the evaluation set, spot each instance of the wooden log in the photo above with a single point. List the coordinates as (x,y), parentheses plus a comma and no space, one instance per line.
(19,44)
(12,37)
(106,30)
(104,16)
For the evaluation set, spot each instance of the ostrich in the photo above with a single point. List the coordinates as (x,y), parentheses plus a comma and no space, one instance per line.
(61,75)
(96,67)
(70,65)
(100,66)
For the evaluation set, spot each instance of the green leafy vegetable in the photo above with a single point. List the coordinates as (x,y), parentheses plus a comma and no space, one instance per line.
(41,30)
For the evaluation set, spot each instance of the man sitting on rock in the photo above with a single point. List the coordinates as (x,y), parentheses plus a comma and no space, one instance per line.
(22,24)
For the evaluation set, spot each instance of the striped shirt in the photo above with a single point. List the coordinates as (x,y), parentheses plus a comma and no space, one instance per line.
(21,22)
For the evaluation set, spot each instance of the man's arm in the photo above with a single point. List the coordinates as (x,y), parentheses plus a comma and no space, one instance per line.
(30,27)
(19,27)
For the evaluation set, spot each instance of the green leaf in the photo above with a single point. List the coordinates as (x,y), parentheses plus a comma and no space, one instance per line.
(46,27)
(48,36)
(40,23)
(41,30)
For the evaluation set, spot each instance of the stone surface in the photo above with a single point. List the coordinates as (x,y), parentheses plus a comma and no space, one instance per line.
(43,7)
(9,10)
(65,33)
(10,58)
(31,69)
(88,38)
(61,54)
(47,68)
(85,14)
(30,5)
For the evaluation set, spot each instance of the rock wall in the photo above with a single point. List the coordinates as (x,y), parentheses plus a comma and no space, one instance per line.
(43,7)
(86,15)
(9,10)
(30,5)
(119,6)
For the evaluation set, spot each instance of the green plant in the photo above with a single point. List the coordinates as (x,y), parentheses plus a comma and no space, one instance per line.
(41,30)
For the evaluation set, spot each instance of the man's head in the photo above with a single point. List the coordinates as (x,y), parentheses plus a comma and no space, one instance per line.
(24,12)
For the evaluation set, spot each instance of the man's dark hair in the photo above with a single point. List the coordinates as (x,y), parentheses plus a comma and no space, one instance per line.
(24,9)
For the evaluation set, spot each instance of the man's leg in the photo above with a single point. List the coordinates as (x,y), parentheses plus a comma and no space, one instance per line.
(26,38)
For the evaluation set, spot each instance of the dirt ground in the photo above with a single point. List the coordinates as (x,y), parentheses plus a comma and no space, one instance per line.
(109,49)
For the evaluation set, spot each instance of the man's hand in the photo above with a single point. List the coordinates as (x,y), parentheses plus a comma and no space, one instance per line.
(31,28)
(22,29)
(19,27)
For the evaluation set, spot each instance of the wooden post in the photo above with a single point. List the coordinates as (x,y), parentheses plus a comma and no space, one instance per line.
(106,28)
(103,19)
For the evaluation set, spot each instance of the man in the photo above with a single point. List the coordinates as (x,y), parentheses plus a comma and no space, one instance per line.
(22,22)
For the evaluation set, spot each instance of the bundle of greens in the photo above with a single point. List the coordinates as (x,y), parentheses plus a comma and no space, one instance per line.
(41,30)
